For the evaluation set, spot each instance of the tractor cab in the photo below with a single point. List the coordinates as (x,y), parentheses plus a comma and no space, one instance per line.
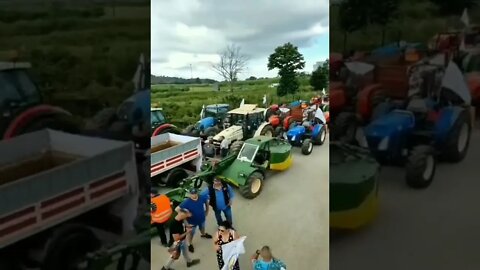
(249,117)
(17,91)
(156,118)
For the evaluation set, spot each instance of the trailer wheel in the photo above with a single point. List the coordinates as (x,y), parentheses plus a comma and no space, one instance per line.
(69,246)
(307,147)
(175,176)
(458,139)
(253,186)
(420,167)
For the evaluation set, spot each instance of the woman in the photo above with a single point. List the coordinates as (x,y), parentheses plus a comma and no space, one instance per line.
(267,262)
(224,235)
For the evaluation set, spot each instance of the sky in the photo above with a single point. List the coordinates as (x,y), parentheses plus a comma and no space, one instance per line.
(188,35)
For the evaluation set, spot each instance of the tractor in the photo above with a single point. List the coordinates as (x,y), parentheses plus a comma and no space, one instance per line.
(243,123)
(160,124)
(282,117)
(354,186)
(22,106)
(211,121)
(433,123)
(310,132)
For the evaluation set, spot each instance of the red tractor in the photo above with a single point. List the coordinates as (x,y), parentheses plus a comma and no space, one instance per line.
(281,117)
(22,107)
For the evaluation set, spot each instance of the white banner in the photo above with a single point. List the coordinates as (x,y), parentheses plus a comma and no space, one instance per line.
(232,251)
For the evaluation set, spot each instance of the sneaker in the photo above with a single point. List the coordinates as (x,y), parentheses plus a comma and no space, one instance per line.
(191,249)
(193,262)
(206,235)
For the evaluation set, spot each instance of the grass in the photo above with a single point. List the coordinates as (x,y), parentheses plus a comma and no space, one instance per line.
(79,60)
(182,104)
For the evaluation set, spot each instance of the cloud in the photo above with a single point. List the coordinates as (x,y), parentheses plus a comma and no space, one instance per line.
(193,32)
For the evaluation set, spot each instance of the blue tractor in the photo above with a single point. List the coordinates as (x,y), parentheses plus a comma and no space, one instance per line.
(310,132)
(432,124)
(211,122)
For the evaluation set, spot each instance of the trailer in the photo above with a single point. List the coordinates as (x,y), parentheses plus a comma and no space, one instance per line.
(173,157)
(57,190)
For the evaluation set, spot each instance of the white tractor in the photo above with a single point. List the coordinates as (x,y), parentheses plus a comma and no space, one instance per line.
(243,123)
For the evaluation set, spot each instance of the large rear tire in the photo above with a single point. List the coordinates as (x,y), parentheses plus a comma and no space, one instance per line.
(321,137)
(253,187)
(307,147)
(458,139)
(211,131)
(236,147)
(420,167)
(188,130)
(268,131)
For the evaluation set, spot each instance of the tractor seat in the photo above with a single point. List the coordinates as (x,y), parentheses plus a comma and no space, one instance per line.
(417,105)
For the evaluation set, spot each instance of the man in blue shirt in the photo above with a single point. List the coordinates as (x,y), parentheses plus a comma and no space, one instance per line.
(220,197)
(198,206)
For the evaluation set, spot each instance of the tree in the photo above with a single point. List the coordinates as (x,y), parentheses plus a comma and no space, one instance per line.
(252,78)
(353,16)
(198,81)
(382,13)
(232,62)
(319,78)
(288,60)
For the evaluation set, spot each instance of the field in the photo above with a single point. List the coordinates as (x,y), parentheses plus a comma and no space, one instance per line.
(182,103)
(81,53)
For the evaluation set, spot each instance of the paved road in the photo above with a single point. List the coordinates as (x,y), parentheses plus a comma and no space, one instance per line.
(291,216)
(436,228)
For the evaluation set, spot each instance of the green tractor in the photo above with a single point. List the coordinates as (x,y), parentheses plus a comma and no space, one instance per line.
(353,187)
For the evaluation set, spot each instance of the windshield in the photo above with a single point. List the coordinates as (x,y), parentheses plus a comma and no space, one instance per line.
(15,85)
(236,119)
(248,152)
(156,117)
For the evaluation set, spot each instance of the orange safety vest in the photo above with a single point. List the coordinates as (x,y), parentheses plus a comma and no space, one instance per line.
(161,209)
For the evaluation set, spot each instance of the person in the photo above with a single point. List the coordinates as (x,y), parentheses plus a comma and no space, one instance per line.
(209,148)
(220,197)
(224,146)
(160,215)
(224,235)
(180,232)
(198,206)
(267,261)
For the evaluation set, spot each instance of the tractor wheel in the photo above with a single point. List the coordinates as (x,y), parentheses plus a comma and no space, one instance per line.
(268,131)
(102,120)
(307,147)
(69,246)
(58,122)
(279,132)
(236,147)
(175,176)
(420,167)
(321,137)
(458,139)
(211,131)
(188,130)
(253,187)
(345,127)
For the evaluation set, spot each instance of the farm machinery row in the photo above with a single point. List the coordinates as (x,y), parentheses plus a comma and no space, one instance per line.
(413,112)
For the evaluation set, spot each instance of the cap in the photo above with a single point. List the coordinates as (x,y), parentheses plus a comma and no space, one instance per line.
(193,191)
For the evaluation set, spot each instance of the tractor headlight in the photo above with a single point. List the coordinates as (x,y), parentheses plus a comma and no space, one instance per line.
(383,145)
(293,138)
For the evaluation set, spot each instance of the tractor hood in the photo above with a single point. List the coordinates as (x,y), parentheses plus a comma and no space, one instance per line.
(238,172)
(296,131)
(396,121)
(206,123)
(228,133)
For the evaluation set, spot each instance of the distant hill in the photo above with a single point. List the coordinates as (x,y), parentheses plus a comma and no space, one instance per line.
(176,80)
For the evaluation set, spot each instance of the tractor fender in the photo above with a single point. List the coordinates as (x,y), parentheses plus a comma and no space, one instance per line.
(365,106)
(206,123)
(473,80)
(286,121)
(338,98)
(161,128)
(260,128)
(29,115)
(316,130)
(445,121)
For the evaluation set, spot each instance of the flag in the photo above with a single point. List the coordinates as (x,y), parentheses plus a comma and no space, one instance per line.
(242,103)
(465,19)
(323,92)
(139,77)
(202,112)
(231,251)
(264,99)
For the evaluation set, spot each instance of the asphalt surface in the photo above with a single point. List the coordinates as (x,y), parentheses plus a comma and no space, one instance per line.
(290,215)
(436,228)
